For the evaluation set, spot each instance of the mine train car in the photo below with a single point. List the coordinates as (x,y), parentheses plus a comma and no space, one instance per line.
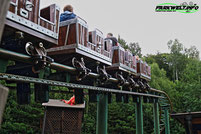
(37,25)
(69,42)
(29,30)
(76,41)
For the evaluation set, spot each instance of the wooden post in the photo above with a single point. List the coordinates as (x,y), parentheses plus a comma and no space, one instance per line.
(3,11)
(3,99)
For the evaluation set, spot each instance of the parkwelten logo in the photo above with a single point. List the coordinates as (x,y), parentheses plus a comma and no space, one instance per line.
(182,8)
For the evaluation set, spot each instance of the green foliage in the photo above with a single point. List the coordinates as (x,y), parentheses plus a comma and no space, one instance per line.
(121,118)
(122,42)
(21,118)
(134,47)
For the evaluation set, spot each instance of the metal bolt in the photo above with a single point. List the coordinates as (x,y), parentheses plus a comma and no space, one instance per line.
(40,44)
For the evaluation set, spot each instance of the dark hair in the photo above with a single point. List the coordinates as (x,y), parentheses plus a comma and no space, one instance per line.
(68,8)
(110,34)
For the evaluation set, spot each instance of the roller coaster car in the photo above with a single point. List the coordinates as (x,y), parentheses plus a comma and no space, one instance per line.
(123,60)
(76,41)
(98,44)
(96,40)
(143,70)
(144,74)
(37,25)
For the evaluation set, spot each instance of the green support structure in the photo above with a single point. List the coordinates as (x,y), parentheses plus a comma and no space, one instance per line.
(102,114)
(3,65)
(139,115)
(167,123)
(156,118)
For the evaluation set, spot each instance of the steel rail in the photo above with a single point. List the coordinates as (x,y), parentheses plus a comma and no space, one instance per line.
(18,78)
(166,95)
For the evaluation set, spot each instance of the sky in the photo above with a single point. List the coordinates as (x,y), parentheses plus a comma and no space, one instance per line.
(137,21)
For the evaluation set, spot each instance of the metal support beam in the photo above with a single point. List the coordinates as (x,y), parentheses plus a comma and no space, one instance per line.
(139,115)
(3,99)
(3,65)
(102,114)
(156,118)
(167,123)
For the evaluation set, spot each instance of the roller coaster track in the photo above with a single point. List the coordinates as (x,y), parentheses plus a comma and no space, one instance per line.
(5,54)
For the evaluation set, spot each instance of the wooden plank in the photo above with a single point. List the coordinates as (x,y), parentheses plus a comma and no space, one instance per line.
(3,100)
(196,121)
(3,10)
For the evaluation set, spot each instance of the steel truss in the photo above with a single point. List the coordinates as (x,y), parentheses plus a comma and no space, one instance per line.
(18,78)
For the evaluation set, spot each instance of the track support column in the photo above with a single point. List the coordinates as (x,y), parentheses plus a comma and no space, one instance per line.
(139,115)
(102,114)
(3,66)
(167,123)
(156,118)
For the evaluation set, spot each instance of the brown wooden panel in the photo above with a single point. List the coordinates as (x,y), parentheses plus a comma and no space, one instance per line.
(57,21)
(12,8)
(122,55)
(79,33)
(72,34)
(115,57)
(52,13)
(50,26)
(34,14)
(85,36)
(138,67)
(134,62)
(149,71)
(20,5)
(47,25)
(62,35)
(196,121)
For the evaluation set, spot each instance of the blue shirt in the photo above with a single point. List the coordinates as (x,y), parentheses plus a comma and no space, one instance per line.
(67,15)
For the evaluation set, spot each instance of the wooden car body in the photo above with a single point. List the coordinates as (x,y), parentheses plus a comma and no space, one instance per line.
(26,16)
(122,60)
(74,41)
(107,48)
(96,40)
(143,70)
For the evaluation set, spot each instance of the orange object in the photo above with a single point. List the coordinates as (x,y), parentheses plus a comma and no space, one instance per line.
(71,101)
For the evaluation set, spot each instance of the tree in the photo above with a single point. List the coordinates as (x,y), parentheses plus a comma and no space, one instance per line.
(135,48)
(192,52)
(177,58)
(122,42)
(162,60)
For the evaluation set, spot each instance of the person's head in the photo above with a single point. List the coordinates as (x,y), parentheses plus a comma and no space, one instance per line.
(68,8)
(109,35)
